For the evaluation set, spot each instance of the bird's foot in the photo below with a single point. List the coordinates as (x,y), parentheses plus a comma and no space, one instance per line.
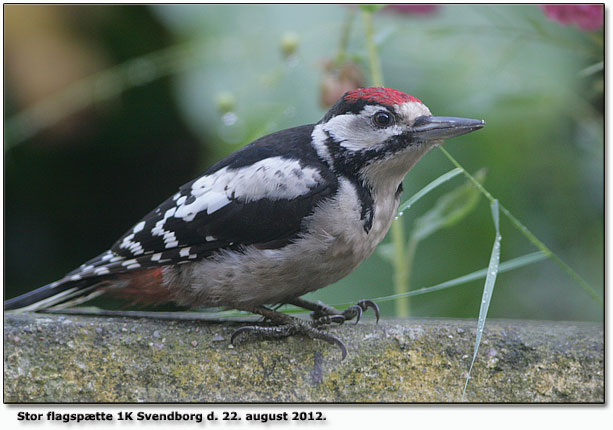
(356,311)
(290,326)
(323,314)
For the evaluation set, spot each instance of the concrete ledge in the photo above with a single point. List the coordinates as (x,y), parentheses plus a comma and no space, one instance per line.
(60,358)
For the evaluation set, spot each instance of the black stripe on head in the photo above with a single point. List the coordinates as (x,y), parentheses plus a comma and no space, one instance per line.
(342,107)
(347,164)
(350,162)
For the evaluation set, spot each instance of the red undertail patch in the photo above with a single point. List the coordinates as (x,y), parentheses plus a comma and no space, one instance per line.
(144,287)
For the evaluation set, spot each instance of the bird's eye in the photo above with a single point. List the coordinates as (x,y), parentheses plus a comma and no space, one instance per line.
(382,119)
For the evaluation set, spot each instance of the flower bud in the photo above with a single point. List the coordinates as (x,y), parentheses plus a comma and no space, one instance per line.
(337,80)
(289,44)
(225,102)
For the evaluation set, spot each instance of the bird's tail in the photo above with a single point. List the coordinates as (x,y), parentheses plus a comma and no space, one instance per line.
(57,295)
(144,287)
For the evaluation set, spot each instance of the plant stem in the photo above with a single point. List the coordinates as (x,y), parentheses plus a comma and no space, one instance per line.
(401,269)
(375,65)
(344,41)
(527,233)
(402,303)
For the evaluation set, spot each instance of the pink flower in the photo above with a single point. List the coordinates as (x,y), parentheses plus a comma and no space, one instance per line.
(588,17)
(413,9)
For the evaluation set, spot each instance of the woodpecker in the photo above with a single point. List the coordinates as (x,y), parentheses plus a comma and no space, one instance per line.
(290,213)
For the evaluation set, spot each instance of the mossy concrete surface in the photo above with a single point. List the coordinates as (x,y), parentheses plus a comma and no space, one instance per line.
(67,358)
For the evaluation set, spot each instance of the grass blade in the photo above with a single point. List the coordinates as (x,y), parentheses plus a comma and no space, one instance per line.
(490,281)
(527,233)
(507,266)
(99,87)
(449,209)
(432,185)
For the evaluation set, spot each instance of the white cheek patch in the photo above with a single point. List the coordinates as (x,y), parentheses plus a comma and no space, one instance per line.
(274,178)
(356,132)
(319,139)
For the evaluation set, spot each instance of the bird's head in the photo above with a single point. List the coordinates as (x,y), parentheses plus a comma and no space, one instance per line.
(379,129)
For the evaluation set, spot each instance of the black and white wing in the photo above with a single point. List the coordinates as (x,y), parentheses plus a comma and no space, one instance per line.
(257,195)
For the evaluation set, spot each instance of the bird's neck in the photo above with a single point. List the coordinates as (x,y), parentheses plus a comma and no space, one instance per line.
(384,176)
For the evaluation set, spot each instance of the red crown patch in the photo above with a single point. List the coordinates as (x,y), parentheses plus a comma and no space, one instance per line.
(382,95)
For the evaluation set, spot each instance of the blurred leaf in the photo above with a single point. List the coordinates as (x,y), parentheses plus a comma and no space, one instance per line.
(592,69)
(357,57)
(372,8)
(523,100)
(537,25)
(445,31)
(449,209)
(384,35)
(386,251)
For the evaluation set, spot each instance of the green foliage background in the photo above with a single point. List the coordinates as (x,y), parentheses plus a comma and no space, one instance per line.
(69,195)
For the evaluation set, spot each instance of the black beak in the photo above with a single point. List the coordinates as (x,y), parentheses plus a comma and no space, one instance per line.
(427,128)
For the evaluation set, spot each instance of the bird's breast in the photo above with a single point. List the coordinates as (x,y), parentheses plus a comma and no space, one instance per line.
(334,242)
(339,222)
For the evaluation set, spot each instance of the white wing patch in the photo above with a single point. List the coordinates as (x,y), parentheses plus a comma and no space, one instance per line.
(207,201)
(170,240)
(131,245)
(103,265)
(134,247)
(274,178)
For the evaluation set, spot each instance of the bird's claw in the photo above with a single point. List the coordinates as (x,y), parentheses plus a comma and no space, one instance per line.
(329,319)
(365,304)
(290,329)
(356,311)
(352,312)
(323,314)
